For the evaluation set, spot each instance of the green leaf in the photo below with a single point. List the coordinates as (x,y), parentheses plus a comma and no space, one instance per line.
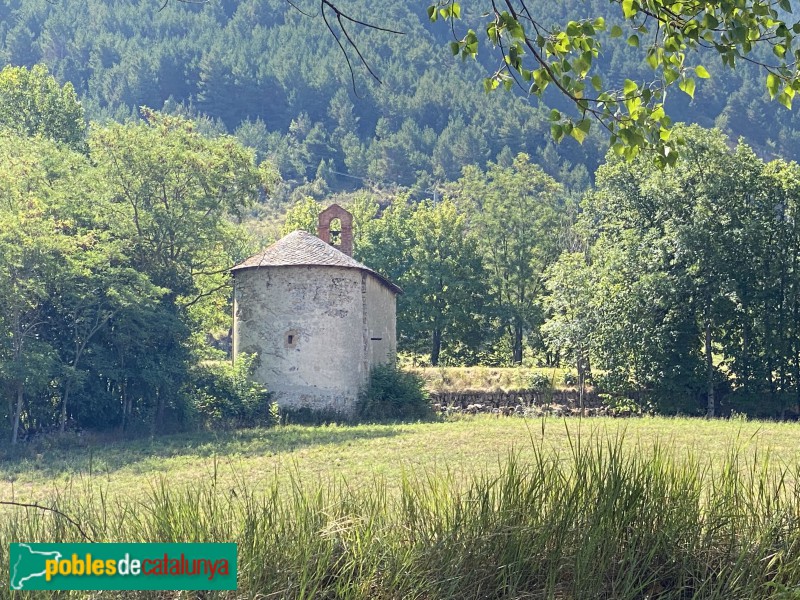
(629,87)
(432,14)
(633,41)
(773,83)
(455,10)
(616,31)
(491,32)
(687,86)
(670,75)
(572,28)
(557,131)
(555,115)
(701,72)
(628,9)
(578,135)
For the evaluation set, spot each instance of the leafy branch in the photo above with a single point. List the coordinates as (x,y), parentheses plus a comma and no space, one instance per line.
(535,57)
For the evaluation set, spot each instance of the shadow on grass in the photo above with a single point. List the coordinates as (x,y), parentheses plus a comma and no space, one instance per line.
(96,455)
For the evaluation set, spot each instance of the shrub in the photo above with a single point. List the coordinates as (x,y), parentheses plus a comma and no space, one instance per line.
(611,382)
(393,394)
(221,393)
(570,378)
(539,381)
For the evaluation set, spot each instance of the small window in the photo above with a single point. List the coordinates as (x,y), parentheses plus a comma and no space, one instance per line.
(290,339)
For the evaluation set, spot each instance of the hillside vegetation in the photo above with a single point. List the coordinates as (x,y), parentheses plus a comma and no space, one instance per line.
(276,78)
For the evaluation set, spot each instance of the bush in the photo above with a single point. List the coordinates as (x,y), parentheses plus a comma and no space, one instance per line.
(393,394)
(539,381)
(570,378)
(221,393)
(612,382)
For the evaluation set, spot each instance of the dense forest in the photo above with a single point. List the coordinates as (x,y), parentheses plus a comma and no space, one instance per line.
(262,70)
(142,150)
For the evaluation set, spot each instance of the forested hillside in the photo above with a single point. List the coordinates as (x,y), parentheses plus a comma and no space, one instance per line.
(275,78)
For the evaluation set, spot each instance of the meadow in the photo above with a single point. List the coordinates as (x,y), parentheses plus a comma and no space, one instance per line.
(477,507)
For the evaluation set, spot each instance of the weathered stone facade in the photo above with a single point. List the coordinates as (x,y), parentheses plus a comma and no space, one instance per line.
(317,319)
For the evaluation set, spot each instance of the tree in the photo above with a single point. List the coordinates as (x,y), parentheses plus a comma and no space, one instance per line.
(33,103)
(95,286)
(515,212)
(172,194)
(428,250)
(693,277)
(36,180)
(302,215)
(445,290)
(384,243)
(172,191)
(571,311)
(266,56)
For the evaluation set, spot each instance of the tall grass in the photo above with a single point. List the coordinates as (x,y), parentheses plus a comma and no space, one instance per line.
(486,379)
(595,521)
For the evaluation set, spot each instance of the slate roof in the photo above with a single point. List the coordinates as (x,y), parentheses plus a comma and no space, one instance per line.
(301,249)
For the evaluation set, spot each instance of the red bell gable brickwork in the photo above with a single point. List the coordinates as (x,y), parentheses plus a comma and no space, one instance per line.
(334,211)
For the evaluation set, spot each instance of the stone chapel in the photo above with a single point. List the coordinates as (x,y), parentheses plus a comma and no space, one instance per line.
(317,319)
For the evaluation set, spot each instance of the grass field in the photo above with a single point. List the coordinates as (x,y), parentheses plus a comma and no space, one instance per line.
(360,453)
(474,508)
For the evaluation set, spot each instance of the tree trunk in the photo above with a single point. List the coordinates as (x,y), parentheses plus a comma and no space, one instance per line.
(158,418)
(436,347)
(709,372)
(10,412)
(584,369)
(17,413)
(518,343)
(796,329)
(581,365)
(63,421)
(123,388)
(745,345)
